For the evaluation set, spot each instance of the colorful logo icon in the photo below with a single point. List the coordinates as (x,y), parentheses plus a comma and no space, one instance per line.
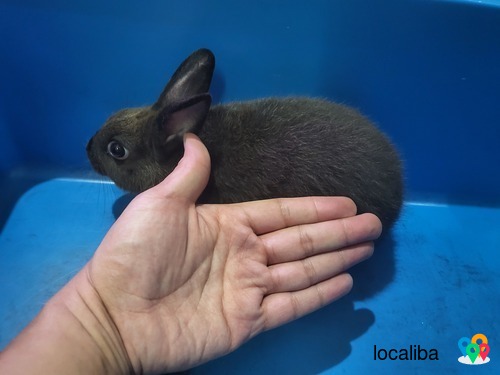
(475,350)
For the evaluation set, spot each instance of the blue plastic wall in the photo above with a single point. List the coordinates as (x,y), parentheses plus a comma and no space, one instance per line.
(428,72)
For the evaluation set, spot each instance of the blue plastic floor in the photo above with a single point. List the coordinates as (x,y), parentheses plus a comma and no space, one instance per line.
(434,280)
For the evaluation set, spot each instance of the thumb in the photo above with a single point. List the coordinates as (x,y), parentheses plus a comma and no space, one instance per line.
(190,177)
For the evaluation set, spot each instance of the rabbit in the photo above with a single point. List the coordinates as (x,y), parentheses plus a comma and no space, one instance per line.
(259,149)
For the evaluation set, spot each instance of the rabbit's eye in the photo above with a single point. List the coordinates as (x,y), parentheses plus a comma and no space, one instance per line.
(116,150)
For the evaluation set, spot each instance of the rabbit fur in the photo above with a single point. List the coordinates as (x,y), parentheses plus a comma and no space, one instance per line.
(259,149)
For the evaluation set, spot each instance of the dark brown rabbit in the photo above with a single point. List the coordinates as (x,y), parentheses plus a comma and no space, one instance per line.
(267,148)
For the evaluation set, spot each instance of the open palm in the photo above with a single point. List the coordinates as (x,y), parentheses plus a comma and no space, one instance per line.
(184,284)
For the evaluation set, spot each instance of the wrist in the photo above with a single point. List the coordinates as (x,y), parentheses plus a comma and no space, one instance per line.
(72,334)
(89,317)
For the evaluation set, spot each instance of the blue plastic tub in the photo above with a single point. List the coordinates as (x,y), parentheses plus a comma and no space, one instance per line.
(428,72)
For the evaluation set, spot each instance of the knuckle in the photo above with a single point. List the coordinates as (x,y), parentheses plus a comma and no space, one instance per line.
(345,232)
(309,271)
(275,281)
(306,242)
(321,295)
(342,258)
(284,210)
(295,304)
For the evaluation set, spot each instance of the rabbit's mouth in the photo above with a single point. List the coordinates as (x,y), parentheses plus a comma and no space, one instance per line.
(96,165)
(98,168)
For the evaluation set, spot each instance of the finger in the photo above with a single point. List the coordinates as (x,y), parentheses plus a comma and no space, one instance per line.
(270,215)
(190,177)
(281,308)
(303,241)
(301,274)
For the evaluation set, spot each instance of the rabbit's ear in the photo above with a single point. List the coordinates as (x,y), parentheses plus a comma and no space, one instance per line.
(192,78)
(184,117)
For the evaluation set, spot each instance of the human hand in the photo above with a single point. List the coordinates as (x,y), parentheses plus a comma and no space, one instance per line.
(185,284)
(173,285)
